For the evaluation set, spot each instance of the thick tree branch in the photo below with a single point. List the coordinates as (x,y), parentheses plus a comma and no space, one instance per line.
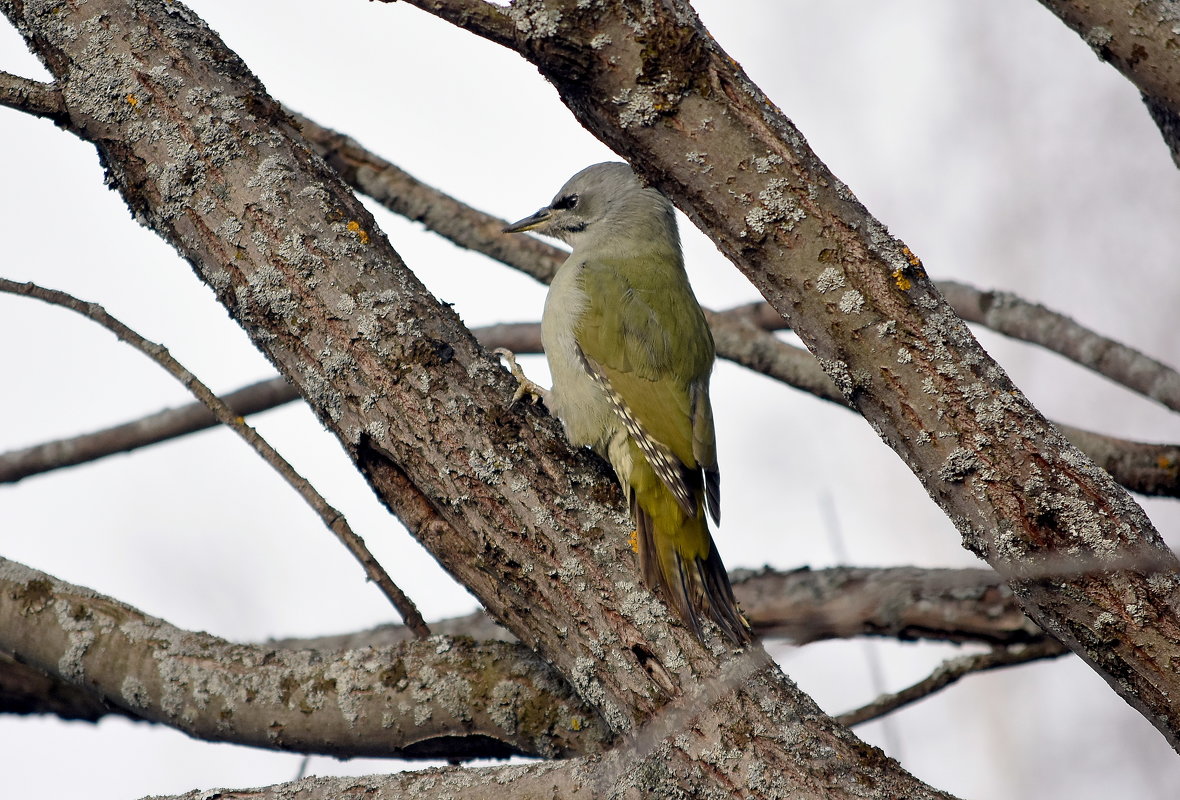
(32,97)
(579,779)
(1139,38)
(652,84)
(331,518)
(470,228)
(803,605)
(534,529)
(435,698)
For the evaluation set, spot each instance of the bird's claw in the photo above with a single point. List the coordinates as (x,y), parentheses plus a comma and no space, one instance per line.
(524,386)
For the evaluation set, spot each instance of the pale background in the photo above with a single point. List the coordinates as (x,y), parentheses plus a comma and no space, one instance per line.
(988,137)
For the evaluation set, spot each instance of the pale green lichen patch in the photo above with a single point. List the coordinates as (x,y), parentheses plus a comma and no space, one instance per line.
(640,106)
(775,206)
(829,280)
(839,373)
(534,19)
(959,463)
(851,302)
(764,164)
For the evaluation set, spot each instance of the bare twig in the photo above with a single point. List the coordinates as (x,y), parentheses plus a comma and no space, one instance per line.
(161,426)
(1008,314)
(741,334)
(224,414)
(32,97)
(949,672)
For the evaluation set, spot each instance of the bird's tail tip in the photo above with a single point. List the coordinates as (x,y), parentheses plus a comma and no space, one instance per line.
(709,595)
(697,588)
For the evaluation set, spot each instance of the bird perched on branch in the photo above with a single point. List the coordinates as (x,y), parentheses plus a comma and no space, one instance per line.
(630,353)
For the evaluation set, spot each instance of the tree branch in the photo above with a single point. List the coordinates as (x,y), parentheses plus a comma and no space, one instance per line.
(531,527)
(951,671)
(1030,322)
(802,605)
(435,698)
(950,605)
(654,86)
(472,229)
(740,333)
(577,779)
(1140,40)
(741,336)
(171,423)
(332,518)
(32,97)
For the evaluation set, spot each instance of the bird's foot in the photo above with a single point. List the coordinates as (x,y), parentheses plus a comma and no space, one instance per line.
(524,387)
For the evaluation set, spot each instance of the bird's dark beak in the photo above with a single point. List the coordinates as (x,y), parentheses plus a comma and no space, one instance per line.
(531,222)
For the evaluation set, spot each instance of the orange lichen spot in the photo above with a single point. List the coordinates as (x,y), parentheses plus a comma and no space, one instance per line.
(1166,462)
(575,723)
(361,234)
(132,100)
(633,540)
(901,280)
(915,262)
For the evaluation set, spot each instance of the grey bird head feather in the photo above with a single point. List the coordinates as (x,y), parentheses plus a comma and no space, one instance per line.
(604,202)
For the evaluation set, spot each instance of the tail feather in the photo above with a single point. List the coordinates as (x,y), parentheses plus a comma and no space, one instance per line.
(697,588)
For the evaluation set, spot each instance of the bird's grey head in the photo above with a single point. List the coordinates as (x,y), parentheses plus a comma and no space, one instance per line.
(604,202)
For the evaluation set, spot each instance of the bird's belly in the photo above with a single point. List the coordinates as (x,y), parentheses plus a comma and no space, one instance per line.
(575,398)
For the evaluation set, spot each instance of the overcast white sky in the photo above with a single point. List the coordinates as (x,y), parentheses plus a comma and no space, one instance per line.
(988,138)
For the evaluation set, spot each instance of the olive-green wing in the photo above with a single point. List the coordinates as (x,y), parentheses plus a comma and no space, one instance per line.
(645,335)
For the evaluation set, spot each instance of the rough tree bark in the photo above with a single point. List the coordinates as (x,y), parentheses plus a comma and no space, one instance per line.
(469,692)
(1139,39)
(207,160)
(1084,560)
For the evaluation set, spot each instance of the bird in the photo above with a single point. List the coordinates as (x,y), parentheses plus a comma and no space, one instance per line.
(630,353)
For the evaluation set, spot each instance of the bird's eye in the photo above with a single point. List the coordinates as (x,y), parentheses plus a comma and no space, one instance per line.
(564,203)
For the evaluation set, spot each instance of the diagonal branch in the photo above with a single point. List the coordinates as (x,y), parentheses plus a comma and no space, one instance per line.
(332,518)
(1139,38)
(1008,314)
(653,85)
(951,671)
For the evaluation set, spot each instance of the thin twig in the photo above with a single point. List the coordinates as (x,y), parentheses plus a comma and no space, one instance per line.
(161,426)
(224,414)
(1012,316)
(950,671)
(741,337)
(32,97)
